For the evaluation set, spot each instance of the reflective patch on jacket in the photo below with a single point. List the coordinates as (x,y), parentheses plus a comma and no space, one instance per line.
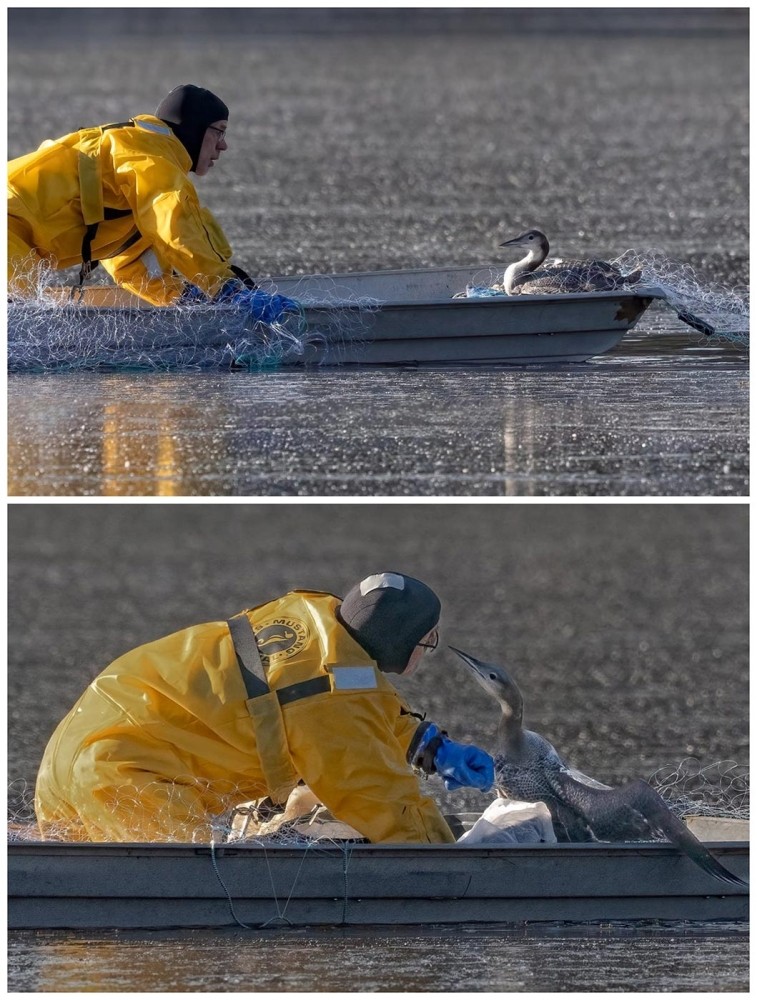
(354,678)
(152,126)
(151,264)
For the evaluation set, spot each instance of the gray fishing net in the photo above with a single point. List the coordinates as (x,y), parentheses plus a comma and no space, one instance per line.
(712,310)
(689,789)
(299,821)
(49,331)
(692,789)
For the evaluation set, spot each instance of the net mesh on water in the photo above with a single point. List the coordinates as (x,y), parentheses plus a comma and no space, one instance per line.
(723,313)
(689,788)
(713,310)
(49,331)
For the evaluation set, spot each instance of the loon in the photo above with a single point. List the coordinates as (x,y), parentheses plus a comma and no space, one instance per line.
(527,276)
(528,768)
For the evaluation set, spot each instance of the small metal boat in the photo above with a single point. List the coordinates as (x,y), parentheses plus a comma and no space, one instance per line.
(403,317)
(85,886)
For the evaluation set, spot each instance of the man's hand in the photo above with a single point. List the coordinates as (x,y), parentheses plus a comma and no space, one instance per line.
(262,307)
(464,765)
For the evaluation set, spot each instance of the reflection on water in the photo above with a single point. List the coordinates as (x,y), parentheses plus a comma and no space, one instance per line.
(660,416)
(470,959)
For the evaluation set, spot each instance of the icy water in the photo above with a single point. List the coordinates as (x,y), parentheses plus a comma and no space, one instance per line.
(434,959)
(626,626)
(356,152)
(666,419)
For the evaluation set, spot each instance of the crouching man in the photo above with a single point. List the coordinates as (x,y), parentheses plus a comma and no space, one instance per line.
(121,195)
(175,732)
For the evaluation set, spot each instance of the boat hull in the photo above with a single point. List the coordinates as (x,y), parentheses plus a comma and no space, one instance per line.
(373,318)
(517,332)
(88,886)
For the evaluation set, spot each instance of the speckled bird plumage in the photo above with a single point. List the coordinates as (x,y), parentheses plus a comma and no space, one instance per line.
(528,768)
(535,275)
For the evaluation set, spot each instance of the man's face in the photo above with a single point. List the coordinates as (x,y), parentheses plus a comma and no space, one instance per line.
(427,644)
(213,144)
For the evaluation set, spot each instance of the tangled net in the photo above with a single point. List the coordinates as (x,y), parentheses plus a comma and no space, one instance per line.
(189,810)
(714,310)
(719,312)
(47,332)
(690,789)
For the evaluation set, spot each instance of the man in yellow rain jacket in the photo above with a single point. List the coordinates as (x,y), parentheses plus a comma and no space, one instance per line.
(176,732)
(121,195)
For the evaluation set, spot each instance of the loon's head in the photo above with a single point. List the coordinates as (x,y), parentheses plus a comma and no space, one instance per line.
(532,239)
(496,681)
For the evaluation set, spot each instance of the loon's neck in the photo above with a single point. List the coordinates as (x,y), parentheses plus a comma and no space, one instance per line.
(510,729)
(516,271)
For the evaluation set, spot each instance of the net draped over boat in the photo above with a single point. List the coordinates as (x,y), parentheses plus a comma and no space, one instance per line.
(722,313)
(690,788)
(45,333)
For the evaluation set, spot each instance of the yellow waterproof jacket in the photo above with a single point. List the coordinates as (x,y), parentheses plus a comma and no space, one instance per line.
(137,172)
(168,737)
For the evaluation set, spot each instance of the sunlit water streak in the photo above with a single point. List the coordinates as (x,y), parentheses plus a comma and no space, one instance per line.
(659,416)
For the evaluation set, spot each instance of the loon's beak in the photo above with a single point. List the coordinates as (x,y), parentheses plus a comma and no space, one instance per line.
(476,665)
(512,243)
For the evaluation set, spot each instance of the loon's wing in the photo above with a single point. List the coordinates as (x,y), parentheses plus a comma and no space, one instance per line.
(614,812)
(567,276)
(585,779)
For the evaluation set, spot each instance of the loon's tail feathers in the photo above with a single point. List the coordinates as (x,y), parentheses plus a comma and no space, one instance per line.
(632,812)
(675,830)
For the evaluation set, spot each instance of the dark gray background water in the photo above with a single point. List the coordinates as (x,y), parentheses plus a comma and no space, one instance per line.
(424,141)
(626,626)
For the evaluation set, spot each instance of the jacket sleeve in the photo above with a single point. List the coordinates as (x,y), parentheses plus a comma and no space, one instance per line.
(346,746)
(171,220)
(146,271)
(142,270)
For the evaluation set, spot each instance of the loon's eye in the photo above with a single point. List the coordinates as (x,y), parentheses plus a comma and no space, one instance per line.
(492,677)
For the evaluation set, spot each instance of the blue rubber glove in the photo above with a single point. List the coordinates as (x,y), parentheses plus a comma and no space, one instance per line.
(261,306)
(464,765)
(192,296)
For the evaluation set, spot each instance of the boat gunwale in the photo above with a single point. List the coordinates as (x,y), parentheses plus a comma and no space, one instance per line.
(728,847)
(484,302)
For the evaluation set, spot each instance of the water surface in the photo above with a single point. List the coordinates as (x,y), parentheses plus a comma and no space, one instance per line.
(654,418)
(549,958)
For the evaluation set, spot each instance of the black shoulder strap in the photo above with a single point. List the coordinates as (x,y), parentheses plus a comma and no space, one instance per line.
(243,276)
(253,671)
(248,656)
(88,265)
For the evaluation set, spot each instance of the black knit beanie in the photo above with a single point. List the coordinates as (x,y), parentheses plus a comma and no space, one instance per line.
(189,110)
(388,614)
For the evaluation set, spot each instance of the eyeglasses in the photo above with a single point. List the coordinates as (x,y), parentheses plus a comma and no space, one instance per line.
(430,645)
(221,133)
